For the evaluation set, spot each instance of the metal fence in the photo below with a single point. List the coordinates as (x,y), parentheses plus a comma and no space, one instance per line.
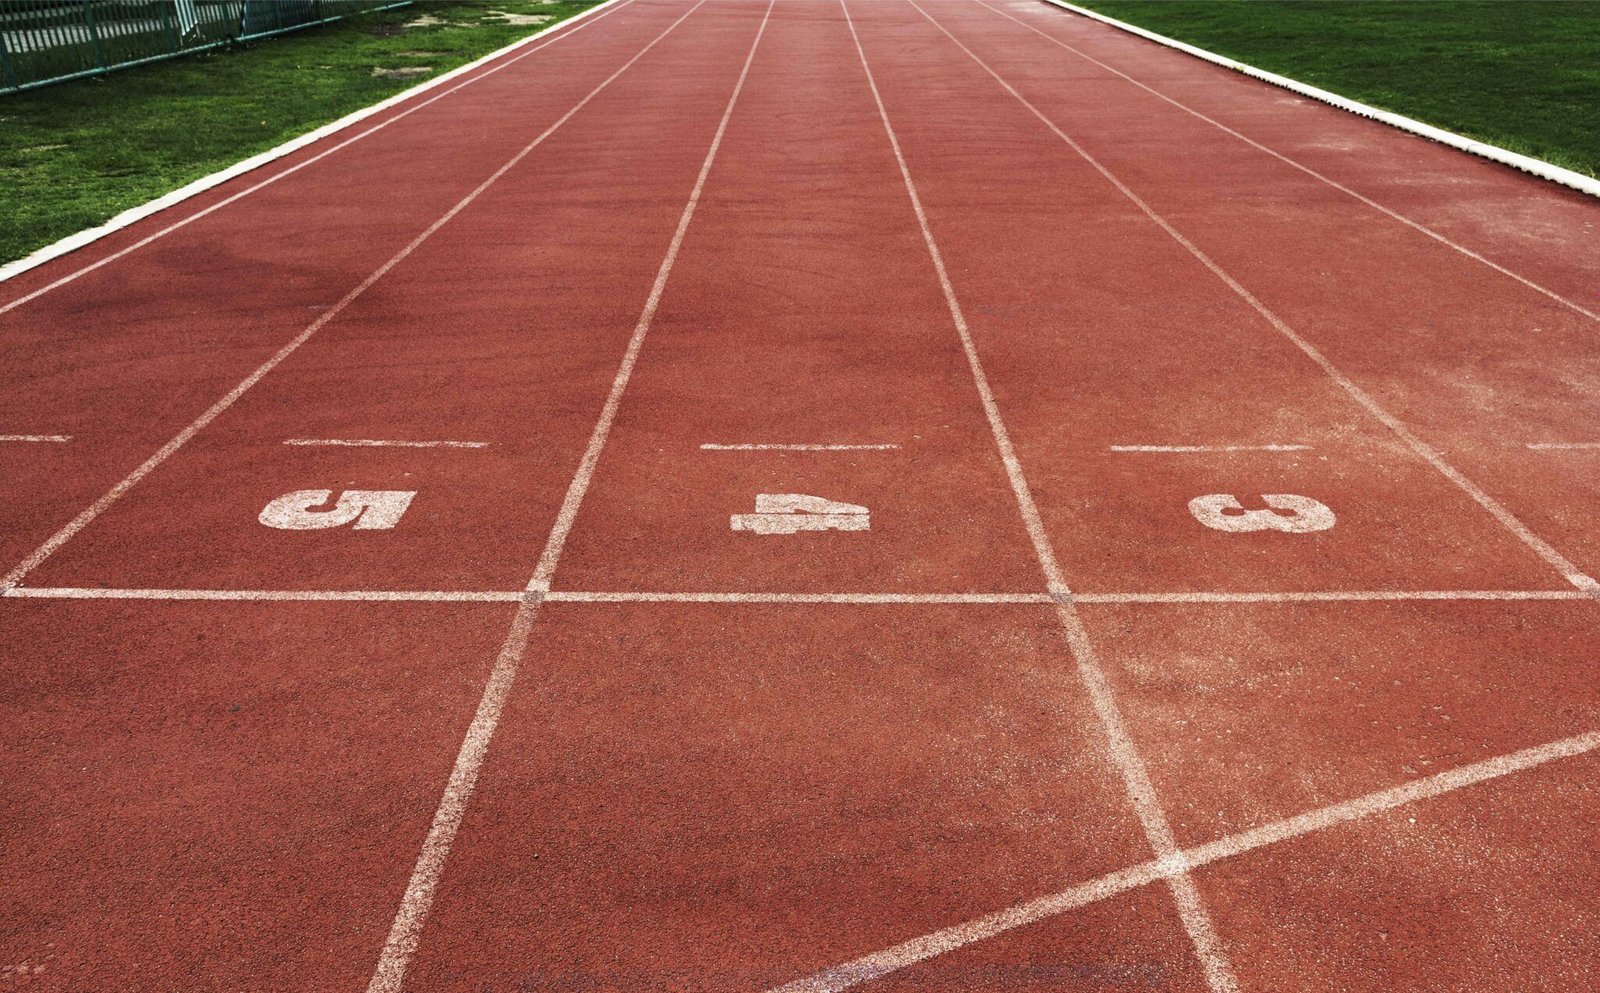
(48,41)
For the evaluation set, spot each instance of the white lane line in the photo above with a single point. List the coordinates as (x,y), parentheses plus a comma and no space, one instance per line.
(1136,781)
(575,596)
(74,242)
(77,524)
(656,596)
(377,443)
(1557,446)
(376,596)
(796,448)
(1417,226)
(412,915)
(857,971)
(36,437)
(1332,596)
(1209,448)
(1509,521)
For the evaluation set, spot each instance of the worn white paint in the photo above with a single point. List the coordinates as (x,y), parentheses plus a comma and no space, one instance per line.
(1224,512)
(367,510)
(379,443)
(795,448)
(57,438)
(919,949)
(1209,448)
(791,513)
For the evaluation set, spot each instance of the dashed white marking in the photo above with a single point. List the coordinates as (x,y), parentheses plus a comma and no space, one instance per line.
(791,513)
(796,448)
(84,519)
(1209,448)
(1509,521)
(1224,512)
(412,915)
(36,437)
(380,443)
(1415,225)
(878,964)
(367,510)
(1563,445)
(1136,781)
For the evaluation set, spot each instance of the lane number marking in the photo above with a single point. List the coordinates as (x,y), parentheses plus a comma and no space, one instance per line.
(369,510)
(1286,512)
(790,513)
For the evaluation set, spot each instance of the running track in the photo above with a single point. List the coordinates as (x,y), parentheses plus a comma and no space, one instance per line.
(1020,286)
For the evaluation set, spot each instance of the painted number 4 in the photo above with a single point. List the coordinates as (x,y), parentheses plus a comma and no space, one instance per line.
(1286,512)
(369,510)
(790,513)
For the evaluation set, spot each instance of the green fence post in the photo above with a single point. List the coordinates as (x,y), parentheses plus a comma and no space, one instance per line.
(94,33)
(167,27)
(6,71)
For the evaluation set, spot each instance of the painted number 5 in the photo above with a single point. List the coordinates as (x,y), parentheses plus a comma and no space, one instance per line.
(371,510)
(1285,512)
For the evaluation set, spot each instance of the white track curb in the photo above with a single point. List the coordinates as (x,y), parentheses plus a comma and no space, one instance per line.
(132,215)
(1538,167)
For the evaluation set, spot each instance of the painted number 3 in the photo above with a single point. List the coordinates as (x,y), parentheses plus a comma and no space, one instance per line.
(1284,512)
(370,510)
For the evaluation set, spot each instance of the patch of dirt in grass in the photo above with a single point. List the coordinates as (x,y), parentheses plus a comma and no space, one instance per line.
(516,20)
(404,72)
(425,21)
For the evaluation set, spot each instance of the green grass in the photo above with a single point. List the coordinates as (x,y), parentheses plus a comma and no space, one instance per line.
(1523,75)
(74,155)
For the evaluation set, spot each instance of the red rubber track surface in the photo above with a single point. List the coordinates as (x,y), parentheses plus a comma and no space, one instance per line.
(1020,286)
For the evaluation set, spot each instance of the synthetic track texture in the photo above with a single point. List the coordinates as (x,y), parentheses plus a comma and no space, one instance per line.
(1021,287)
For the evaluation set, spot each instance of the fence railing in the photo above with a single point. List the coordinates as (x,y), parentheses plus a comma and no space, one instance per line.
(48,41)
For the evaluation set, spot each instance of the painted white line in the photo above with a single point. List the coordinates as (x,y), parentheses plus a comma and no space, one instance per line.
(1332,596)
(131,216)
(1555,173)
(1557,446)
(1509,521)
(1209,448)
(376,443)
(1136,780)
(797,448)
(658,596)
(574,596)
(358,596)
(1538,167)
(853,973)
(412,915)
(77,524)
(36,437)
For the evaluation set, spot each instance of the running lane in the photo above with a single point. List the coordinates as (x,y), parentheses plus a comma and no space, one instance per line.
(124,356)
(1136,383)
(501,331)
(728,796)
(1526,224)
(1478,365)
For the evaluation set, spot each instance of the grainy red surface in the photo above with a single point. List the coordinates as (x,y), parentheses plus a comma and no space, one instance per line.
(702,791)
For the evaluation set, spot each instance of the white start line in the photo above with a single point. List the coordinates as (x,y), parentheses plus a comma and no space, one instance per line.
(749,447)
(36,437)
(1210,448)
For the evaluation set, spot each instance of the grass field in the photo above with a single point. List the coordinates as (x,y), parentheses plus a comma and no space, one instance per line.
(73,155)
(1523,75)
